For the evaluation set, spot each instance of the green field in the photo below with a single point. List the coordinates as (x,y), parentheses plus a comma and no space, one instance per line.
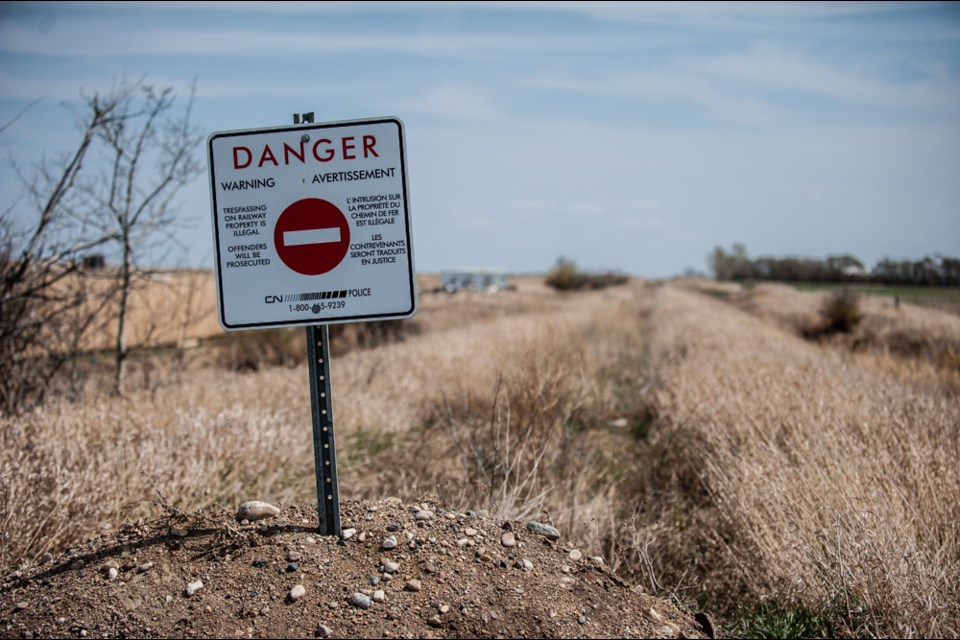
(926,296)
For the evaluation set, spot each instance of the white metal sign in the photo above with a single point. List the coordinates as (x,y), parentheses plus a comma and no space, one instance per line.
(311,224)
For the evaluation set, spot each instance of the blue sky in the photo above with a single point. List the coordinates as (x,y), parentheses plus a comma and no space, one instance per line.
(622,136)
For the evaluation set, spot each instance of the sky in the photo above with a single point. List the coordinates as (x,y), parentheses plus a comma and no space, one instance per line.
(622,136)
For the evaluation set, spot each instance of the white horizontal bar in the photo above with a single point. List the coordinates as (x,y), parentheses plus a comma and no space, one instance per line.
(311,236)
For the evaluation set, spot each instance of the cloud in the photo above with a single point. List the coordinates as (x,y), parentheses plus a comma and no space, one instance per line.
(850,81)
(454,102)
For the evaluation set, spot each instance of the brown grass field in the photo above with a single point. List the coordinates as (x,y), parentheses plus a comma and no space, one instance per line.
(685,431)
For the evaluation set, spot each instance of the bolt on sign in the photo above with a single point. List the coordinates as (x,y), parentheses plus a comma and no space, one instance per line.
(311,224)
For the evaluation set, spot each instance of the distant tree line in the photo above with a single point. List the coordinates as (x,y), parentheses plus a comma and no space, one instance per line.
(929,271)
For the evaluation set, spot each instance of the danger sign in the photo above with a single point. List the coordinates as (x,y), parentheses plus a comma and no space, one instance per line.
(311,224)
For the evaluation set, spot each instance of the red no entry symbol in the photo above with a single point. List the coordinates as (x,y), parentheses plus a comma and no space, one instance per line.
(312,236)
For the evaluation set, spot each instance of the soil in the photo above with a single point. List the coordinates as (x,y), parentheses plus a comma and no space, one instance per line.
(455,578)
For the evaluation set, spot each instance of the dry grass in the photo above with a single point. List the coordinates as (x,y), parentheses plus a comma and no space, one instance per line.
(705,451)
(831,485)
(221,436)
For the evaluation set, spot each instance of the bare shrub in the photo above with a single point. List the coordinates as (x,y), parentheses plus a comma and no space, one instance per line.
(841,311)
(566,277)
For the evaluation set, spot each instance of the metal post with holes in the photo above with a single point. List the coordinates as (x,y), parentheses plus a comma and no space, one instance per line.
(321,403)
(324,446)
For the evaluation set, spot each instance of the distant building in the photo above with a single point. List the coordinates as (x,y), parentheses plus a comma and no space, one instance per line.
(473,280)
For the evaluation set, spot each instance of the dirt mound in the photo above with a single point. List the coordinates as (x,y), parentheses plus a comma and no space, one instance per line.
(450,575)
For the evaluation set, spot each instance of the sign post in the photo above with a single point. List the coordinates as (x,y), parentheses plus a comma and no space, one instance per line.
(311,226)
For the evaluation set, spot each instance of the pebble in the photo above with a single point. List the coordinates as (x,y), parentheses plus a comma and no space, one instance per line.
(323,631)
(362,537)
(146,566)
(435,621)
(390,542)
(575,555)
(20,606)
(470,531)
(46,557)
(424,514)
(656,617)
(465,542)
(349,533)
(379,596)
(112,573)
(543,529)
(293,556)
(412,585)
(508,540)
(666,631)
(193,587)
(177,532)
(361,600)
(524,564)
(389,566)
(297,592)
(256,510)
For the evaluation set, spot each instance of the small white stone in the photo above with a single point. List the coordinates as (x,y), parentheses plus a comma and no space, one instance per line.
(112,573)
(349,533)
(575,555)
(379,596)
(297,592)
(423,514)
(360,600)
(193,587)
(508,540)
(256,510)
(389,566)
(390,542)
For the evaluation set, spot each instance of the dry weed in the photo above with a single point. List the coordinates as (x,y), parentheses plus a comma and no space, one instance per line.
(834,486)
